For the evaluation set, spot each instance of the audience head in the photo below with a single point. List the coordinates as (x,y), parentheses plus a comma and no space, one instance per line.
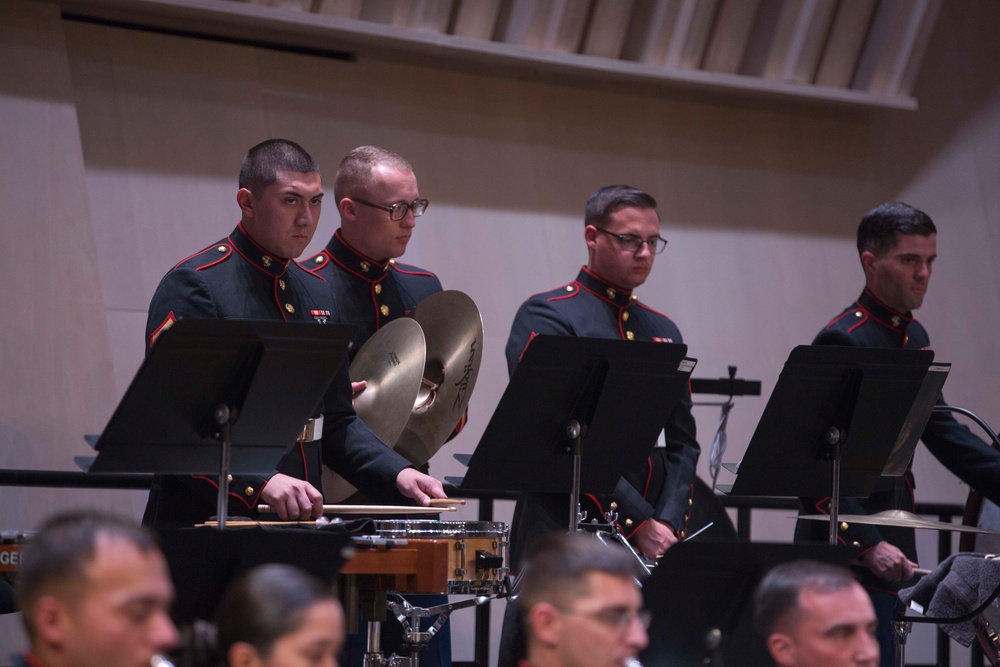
(580,604)
(94,589)
(814,614)
(279,616)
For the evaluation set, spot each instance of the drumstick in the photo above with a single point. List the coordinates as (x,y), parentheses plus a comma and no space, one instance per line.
(444,502)
(374,509)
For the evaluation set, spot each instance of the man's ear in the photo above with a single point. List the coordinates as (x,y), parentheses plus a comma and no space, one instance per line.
(544,620)
(348,209)
(590,236)
(782,649)
(868,259)
(50,616)
(245,200)
(242,654)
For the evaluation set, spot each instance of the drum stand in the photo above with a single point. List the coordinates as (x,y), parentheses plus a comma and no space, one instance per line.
(611,529)
(415,639)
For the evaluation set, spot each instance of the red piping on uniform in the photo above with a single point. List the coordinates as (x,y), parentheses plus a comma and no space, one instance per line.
(305,468)
(216,485)
(525,349)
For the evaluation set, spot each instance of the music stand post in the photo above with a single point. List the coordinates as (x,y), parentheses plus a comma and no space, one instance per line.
(609,398)
(221,396)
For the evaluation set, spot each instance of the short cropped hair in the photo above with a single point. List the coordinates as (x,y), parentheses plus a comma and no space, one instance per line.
(777,595)
(263,162)
(556,566)
(64,545)
(612,198)
(264,604)
(354,175)
(878,230)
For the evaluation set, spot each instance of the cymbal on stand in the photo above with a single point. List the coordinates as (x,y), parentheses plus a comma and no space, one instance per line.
(898,518)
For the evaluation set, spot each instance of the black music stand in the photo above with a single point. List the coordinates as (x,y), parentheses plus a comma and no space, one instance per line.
(833,409)
(701,598)
(212,385)
(578,413)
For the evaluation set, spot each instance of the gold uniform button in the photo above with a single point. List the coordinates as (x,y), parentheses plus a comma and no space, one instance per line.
(229,478)
(281,284)
(681,534)
(248,490)
(378,289)
(690,502)
(221,248)
(319,259)
(634,297)
(569,288)
(265,260)
(858,313)
(384,310)
(614,506)
(290,308)
(625,317)
(392,261)
(843,525)
(855,544)
(895,320)
(610,292)
(366,267)
(628,523)
(630,335)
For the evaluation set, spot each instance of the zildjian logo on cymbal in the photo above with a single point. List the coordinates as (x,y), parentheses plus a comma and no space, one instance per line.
(463,383)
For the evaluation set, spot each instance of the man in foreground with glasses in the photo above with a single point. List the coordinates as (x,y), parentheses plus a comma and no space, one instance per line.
(378,199)
(580,604)
(622,235)
(813,614)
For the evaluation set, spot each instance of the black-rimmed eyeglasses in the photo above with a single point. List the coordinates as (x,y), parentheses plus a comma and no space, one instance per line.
(398,210)
(632,243)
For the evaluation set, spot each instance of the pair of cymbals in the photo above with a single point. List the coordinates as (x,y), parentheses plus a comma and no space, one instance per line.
(420,372)
(898,518)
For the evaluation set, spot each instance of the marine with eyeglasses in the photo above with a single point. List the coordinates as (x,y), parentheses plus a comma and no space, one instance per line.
(622,236)
(378,201)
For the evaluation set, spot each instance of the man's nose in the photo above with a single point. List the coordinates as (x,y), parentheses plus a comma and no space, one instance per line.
(643,250)
(637,637)
(163,633)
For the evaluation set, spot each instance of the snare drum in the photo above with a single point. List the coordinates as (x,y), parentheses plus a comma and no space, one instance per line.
(477,555)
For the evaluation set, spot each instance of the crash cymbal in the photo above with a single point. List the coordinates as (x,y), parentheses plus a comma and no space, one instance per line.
(392,363)
(453,329)
(898,518)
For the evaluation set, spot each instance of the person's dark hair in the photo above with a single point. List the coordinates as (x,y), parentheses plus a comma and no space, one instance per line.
(777,595)
(63,546)
(264,604)
(880,227)
(354,175)
(263,162)
(556,566)
(612,198)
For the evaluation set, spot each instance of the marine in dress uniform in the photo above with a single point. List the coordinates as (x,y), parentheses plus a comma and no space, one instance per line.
(897,245)
(592,307)
(870,323)
(368,293)
(238,279)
